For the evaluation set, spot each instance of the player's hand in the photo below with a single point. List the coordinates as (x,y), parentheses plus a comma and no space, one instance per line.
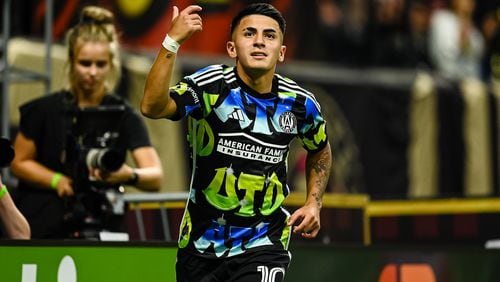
(306,221)
(185,23)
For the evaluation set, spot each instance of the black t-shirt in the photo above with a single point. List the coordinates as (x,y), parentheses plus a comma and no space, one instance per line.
(48,121)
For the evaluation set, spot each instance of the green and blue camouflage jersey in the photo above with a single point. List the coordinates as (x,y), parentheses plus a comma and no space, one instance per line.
(239,142)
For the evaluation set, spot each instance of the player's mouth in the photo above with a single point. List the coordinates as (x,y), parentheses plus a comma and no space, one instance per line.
(258,55)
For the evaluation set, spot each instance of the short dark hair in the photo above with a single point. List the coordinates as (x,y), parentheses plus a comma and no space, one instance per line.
(264,9)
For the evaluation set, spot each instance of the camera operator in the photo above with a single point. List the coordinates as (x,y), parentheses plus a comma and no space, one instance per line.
(14,223)
(42,152)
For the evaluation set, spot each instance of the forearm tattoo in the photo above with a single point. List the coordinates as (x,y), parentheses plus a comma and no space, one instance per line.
(319,165)
(317,198)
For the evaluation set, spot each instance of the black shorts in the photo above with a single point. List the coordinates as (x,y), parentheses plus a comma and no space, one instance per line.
(263,265)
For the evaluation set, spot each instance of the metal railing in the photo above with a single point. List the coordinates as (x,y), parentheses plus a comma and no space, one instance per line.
(160,198)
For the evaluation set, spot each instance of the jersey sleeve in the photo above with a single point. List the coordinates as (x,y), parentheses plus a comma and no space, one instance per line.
(313,134)
(187,98)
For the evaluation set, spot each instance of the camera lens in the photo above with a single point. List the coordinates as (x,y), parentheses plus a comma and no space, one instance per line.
(107,160)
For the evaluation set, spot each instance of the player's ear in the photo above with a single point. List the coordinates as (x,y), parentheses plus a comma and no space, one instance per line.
(231,49)
(281,57)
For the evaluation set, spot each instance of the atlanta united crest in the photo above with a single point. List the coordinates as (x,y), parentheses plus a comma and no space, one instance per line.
(288,122)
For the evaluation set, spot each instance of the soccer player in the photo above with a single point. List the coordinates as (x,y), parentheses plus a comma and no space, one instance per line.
(242,119)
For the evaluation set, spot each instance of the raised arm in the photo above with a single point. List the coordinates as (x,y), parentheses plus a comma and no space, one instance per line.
(156,102)
(306,220)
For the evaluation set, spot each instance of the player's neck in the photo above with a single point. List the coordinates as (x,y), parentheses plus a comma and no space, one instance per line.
(261,82)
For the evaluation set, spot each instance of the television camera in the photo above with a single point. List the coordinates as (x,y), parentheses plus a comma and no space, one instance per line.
(93,142)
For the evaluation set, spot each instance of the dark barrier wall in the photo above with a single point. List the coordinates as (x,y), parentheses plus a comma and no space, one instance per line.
(390,114)
(377,115)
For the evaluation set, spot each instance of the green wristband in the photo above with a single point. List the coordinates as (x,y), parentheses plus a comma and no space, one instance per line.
(55,180)
(3,191)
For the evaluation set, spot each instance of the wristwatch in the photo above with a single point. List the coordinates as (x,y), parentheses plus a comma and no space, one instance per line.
(134,179)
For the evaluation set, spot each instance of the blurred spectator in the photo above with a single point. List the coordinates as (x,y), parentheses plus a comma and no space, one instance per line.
(344,25)
(340,32)
(456,45)
(386,32)
(490,27)
(495,51)
(417,41)
(399,33)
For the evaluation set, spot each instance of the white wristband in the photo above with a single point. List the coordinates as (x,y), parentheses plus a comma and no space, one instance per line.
(170,44)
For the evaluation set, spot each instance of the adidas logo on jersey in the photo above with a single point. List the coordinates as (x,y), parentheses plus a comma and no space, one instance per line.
(237,114)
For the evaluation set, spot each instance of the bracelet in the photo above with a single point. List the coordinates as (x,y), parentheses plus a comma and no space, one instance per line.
(3,191)
(55,180)
(170,44)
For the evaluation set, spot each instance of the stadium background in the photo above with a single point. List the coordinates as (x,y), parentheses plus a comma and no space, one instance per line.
(415,180)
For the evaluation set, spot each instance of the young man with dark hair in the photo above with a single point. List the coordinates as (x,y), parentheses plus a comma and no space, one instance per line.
(242,119)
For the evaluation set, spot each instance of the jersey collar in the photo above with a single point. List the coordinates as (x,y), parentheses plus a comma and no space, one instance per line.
(252,92)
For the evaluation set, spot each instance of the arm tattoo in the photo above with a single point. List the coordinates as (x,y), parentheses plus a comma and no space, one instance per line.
(319,165)
(317,198)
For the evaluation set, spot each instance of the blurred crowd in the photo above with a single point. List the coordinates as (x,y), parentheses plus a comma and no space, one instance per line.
(457,38)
